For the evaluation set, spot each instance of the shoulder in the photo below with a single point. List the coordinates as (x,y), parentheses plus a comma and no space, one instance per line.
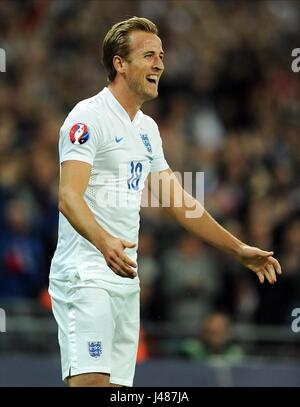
(89,111)
(83,123)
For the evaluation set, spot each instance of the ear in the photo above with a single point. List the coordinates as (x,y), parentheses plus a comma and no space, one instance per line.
(119,64)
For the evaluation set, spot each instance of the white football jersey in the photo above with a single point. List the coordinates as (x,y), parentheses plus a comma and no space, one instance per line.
(121,152)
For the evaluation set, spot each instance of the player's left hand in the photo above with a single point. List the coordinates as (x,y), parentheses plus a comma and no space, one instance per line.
(259,261)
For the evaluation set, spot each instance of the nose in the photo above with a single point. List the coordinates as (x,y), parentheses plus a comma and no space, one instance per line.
(158,64)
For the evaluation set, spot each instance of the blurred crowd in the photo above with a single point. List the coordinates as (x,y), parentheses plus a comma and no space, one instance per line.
(229,106)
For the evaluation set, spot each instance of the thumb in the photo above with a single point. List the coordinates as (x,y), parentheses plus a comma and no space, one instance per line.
(264,253)
(128,244)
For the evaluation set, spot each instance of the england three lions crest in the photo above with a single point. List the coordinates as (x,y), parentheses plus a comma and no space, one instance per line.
(146,142)
(95,349)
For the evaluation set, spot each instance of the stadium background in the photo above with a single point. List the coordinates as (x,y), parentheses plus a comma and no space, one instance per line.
(229,106)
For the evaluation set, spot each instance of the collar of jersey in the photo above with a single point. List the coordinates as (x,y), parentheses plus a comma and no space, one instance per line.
(119,109)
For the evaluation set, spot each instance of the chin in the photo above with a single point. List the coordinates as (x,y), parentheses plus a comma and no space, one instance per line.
(151,95)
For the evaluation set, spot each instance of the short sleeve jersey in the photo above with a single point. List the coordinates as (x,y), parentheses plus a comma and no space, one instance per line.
(121,152)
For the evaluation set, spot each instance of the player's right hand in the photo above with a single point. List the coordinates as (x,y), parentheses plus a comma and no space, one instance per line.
(116,258)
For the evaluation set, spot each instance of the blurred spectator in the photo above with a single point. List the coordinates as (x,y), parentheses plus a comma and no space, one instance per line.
(214,341)
(149,271)
(275,306)
(22,268)
(190,283)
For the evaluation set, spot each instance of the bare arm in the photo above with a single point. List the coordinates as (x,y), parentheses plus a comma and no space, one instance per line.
(205,227)
(73,183)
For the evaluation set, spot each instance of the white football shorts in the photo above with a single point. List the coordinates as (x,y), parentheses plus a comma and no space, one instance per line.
(98,327)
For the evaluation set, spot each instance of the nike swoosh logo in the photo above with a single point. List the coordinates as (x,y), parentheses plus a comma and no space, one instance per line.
(118,139)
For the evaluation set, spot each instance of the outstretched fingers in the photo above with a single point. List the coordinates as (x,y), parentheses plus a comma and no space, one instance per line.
(269,271)
(275,264)
(272,273)
(260,277)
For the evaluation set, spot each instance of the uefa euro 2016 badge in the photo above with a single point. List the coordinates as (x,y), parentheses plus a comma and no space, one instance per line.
(146,142)
(79,133)
(95,349)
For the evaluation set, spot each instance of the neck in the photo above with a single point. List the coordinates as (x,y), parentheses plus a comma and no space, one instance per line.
(127,99)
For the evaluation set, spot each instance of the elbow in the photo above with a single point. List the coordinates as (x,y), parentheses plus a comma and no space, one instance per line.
(64,197)
(61,206)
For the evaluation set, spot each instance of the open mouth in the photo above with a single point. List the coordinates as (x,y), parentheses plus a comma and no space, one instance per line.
(152,79)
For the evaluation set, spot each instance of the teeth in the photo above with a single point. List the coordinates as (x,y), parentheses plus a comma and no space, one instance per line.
(153,77)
